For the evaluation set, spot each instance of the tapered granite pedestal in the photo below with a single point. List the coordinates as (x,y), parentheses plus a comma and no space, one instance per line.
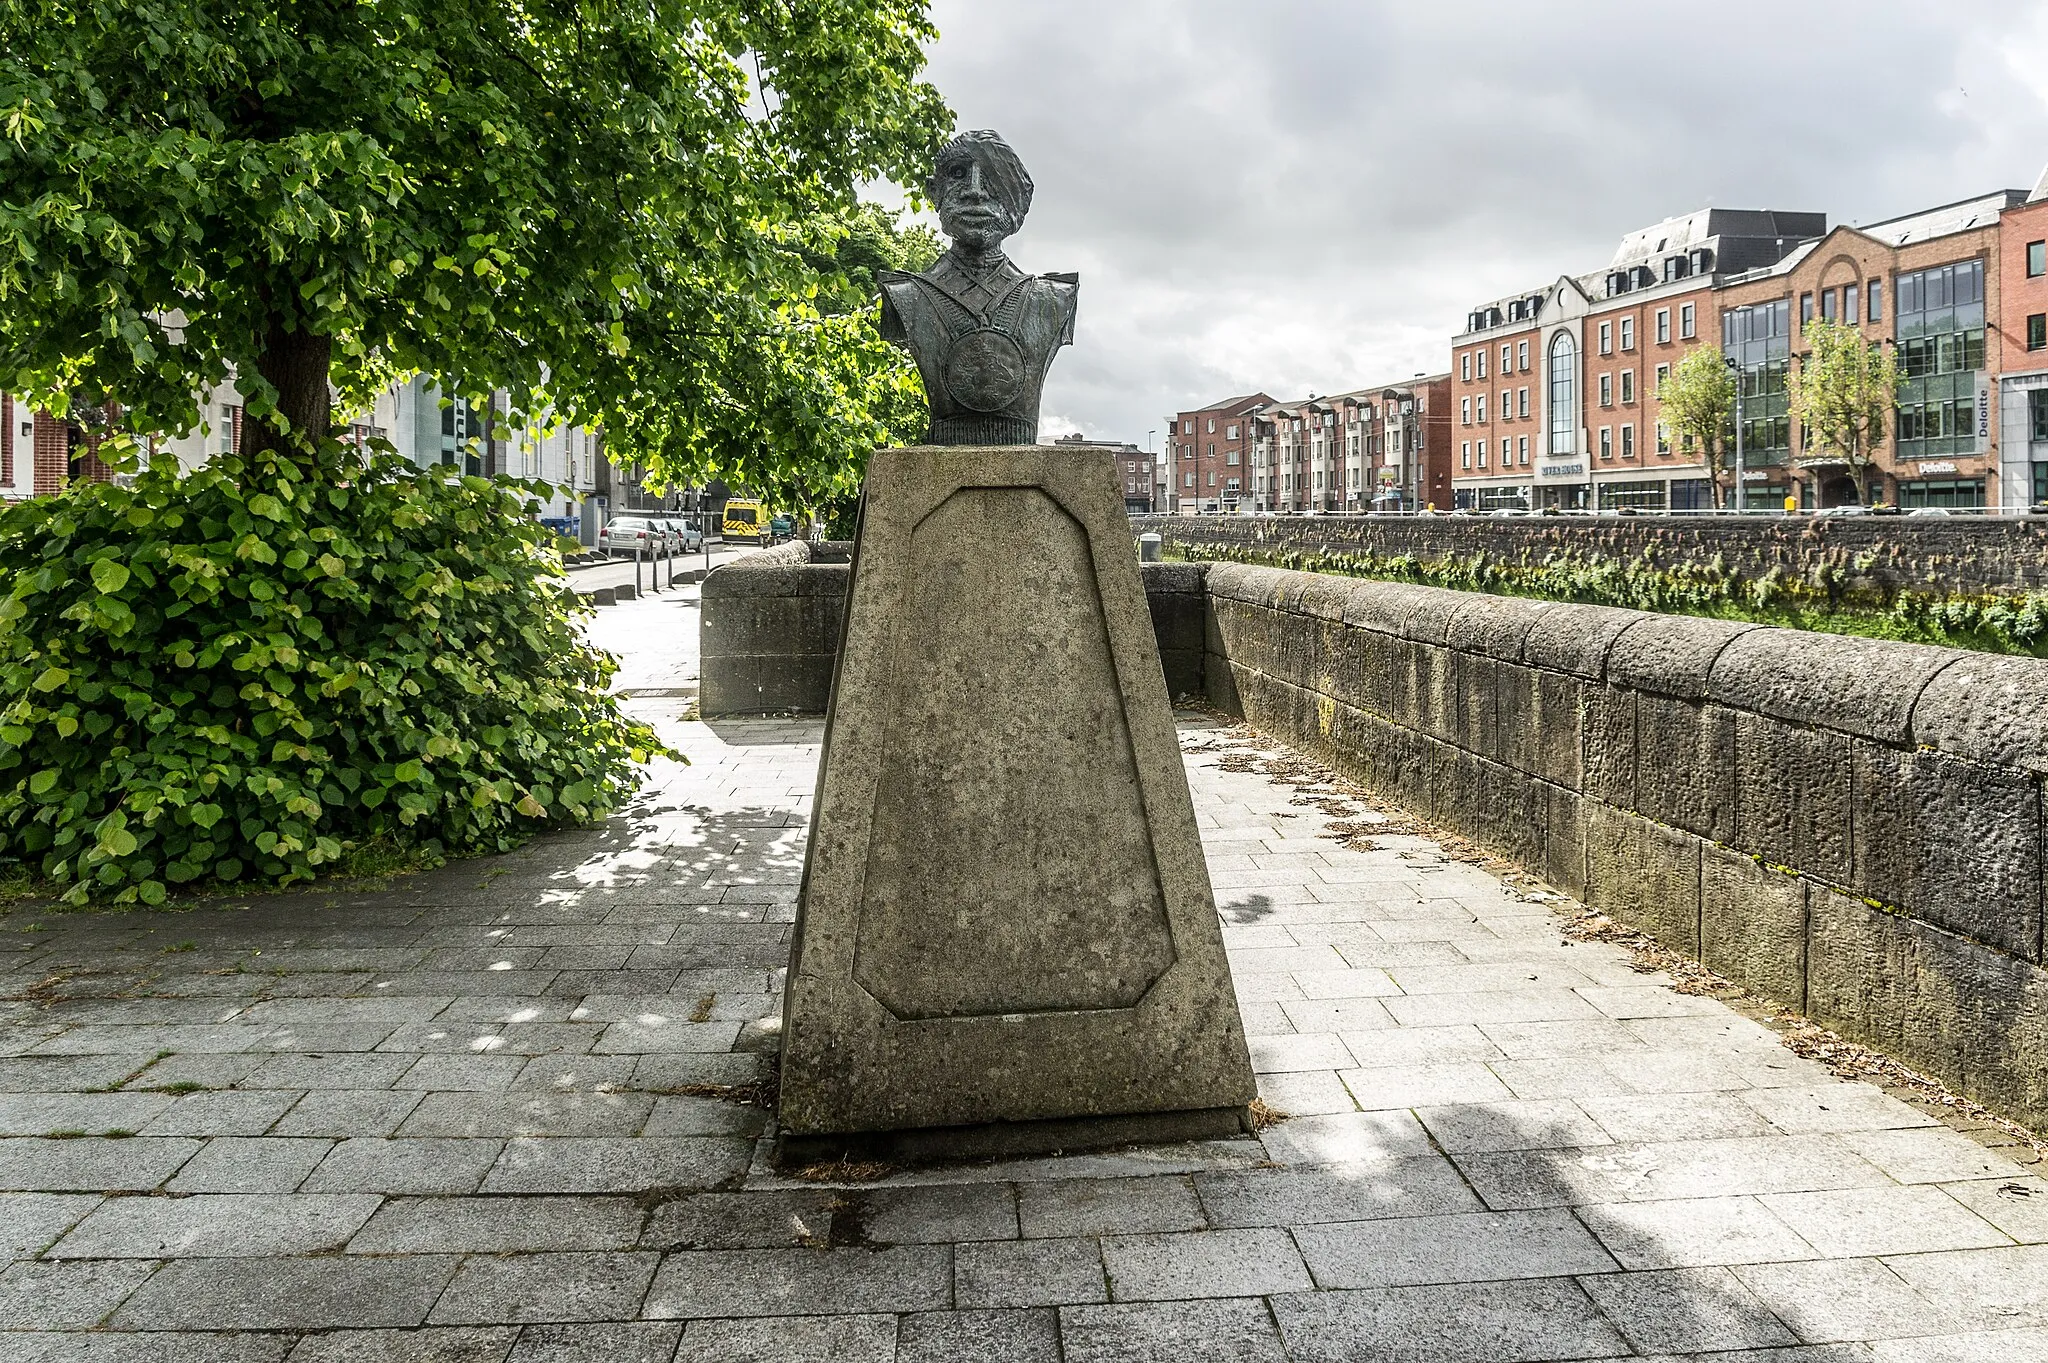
(1006,941)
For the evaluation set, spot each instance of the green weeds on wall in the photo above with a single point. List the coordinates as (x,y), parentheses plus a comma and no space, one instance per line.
(1989,623)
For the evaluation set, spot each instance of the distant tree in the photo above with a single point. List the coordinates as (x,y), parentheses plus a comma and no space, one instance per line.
(598,205)
(1698,402)
(871,239)
(1844,390)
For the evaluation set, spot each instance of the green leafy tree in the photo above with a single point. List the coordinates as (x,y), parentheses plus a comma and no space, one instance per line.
(1844,391)
(1697,400)
(596,203)
(874,240)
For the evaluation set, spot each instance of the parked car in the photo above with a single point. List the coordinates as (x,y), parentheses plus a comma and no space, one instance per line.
(781,527)
(625,535)
(688,537)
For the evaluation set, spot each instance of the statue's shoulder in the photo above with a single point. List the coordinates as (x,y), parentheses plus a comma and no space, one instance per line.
(1071,281)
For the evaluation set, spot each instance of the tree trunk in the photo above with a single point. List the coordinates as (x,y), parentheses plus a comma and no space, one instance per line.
(296,363)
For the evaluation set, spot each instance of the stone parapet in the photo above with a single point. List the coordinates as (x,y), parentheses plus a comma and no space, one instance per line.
(1850,826)
(1866,559)
(772,622)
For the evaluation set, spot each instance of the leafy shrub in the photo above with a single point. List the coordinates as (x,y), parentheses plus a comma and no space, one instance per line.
(248,671)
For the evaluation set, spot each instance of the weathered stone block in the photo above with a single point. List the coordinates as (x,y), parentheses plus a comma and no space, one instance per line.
(1753,925)
(1564,813)
(1568,637)
(1685,765)
(1672,655)
(1609,731)
(1645,875)
(1953,843)
(1006,918)
(1794,797)
(1975,1019)
(1865,687)
(1988,709)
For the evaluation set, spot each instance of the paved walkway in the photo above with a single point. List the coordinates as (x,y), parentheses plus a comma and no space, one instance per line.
(490,1115)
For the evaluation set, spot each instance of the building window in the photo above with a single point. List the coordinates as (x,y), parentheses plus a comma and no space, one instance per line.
(2037,259)
(1465,454)
(1230,457)
(1607,338)
(1464,411)
(1212,477)
(1521,402)
(1481,400)
(1663,326)
(2037,330)
(1663,438)
(1663,374)
(1482,364)
(1189,480)
(1507,357)
(1628,386)
(1187,428)
(1465,367)
(1231,433)
(1827,305)
(1686,325)
(1564,396)
(1482,454)
(1805,308)
(1628,333)
(1876,293)
(1850,303)
(1628,442)
(1522,449)
(1607,390)
(2037,419)
(1606,442)
(1522,356)
(1941,331)
(1212,431)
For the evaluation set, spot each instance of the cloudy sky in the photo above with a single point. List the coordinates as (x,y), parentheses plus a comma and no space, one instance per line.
(1307,195)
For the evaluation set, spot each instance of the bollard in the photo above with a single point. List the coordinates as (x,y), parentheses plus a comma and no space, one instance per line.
(1148,548)
(639,553)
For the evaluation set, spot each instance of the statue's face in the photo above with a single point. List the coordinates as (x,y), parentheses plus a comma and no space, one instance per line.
(968,212)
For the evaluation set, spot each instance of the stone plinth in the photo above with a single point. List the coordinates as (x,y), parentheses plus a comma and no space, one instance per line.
(1006,939)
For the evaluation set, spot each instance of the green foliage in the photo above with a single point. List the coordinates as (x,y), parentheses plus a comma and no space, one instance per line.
(258,670)
(874,240)
(1698,406)
(601,206)
(1844,390)
(1992,624)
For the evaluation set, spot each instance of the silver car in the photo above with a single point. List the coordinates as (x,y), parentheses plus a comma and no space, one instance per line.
(623,536)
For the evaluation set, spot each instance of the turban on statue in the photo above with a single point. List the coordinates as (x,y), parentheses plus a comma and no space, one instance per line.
(1002,174)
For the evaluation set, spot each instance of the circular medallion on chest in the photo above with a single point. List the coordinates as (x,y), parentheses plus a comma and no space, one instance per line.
(985,372)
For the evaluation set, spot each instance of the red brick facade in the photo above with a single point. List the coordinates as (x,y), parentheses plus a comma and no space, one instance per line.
(1208,455)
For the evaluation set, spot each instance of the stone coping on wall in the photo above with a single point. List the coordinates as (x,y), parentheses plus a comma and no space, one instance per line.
(1864,557)
(1852,827)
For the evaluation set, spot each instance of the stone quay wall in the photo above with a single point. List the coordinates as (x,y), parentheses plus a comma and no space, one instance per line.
(1871,558)
(1850,827)
(772,624)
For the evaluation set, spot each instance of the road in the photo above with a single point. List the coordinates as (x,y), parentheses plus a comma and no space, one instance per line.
(619,572)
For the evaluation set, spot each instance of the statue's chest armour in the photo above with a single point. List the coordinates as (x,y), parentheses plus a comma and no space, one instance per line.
(987,370)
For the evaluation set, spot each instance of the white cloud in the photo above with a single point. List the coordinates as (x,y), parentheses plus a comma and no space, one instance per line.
(1308,194)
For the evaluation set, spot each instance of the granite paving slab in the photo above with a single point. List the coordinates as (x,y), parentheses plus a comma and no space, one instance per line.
(510,1112)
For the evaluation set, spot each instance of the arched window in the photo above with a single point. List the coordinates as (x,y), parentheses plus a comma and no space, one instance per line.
(1564,394)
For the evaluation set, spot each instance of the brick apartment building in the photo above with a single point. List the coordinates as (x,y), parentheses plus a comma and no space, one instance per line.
(1208,455)
(1136,470)
(1554,388)
(1380,448)
(1960,291)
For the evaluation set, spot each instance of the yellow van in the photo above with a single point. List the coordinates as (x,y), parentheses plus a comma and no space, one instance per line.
(744,520)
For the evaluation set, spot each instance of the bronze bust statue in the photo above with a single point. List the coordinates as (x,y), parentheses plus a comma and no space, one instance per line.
(982,331)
